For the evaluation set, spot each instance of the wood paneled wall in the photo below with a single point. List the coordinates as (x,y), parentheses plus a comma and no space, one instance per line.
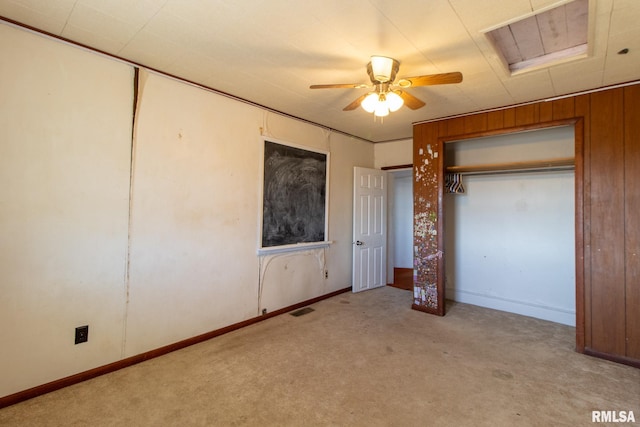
(607,126)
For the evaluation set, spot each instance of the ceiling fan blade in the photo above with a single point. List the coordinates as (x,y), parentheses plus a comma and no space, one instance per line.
(355,104)
(410,100)
(339,86)
(431,79)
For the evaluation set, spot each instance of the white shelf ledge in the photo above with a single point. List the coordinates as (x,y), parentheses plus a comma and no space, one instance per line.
(294,247)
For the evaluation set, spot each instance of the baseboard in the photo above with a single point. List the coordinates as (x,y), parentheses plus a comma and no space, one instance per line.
(12,399)
(552,314)
(612,357)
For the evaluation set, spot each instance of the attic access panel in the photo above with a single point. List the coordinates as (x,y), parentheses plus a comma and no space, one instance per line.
(544,39)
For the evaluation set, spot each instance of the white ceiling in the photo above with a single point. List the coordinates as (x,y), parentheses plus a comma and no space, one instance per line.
(270,51)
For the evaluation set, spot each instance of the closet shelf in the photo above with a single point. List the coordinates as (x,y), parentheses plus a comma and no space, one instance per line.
(528,166)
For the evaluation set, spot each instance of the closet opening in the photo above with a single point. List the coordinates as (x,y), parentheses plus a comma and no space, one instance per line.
(400,227)
(510,222)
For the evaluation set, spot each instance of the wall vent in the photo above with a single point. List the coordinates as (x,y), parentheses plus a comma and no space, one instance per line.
(302,311)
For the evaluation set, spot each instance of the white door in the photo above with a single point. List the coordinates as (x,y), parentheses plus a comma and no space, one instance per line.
(369,229)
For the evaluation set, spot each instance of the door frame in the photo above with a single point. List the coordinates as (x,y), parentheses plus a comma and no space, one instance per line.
(391,249)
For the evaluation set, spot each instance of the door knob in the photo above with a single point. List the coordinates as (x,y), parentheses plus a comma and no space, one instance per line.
(359,243)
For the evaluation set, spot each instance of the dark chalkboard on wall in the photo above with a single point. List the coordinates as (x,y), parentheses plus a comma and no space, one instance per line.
(294,195)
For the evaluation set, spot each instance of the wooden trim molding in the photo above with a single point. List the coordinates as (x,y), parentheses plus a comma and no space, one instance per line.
(612,357)
(390,168)
(12,399)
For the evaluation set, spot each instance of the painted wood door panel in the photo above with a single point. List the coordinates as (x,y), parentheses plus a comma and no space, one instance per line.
(369,229)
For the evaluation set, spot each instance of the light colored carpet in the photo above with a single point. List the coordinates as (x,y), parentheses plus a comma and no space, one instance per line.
(362,359)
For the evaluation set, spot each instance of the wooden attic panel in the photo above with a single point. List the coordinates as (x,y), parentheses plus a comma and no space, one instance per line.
(553,29)
(577,15)
(607,223)
(632,226)
(503,39)
(527,38)
(544,37)
(564,27)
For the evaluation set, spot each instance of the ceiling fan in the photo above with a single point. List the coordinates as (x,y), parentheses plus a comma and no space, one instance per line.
(387,95)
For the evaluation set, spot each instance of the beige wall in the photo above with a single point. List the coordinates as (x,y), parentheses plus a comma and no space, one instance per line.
(65,125)
(393,153)
(151,260)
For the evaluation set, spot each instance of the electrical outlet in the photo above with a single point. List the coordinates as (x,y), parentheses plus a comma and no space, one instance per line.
(326,274)
(82,334)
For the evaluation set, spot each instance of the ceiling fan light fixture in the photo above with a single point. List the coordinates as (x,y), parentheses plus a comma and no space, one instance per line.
(387,95)
(382,68)
(381,104)
(394,101)
(369,102)
(382,109)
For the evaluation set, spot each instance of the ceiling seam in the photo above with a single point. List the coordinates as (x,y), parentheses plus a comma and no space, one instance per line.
(407,39)
(606,51)
(553,86)
(66,21)
(473,39)
(142,27)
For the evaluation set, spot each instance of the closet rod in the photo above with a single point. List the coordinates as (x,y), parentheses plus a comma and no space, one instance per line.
(528,166)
